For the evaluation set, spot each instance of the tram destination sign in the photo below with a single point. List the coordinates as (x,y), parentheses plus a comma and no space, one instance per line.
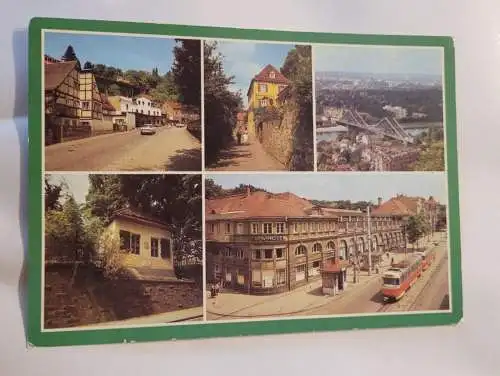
(267,238)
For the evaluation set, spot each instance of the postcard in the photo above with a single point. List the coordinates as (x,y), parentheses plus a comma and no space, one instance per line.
(194,182)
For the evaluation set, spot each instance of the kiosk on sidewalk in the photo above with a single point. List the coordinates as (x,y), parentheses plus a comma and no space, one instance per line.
(334,276)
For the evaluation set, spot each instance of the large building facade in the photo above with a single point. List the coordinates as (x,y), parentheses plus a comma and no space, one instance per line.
(263,243)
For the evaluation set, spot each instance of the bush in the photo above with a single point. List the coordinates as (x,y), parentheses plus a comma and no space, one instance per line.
(110,255)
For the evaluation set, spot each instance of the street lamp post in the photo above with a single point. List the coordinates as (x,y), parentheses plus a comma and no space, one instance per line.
(405,239)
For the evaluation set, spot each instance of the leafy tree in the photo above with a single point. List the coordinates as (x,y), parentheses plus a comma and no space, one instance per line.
(221,105)
(212,189)
(64,232)
(416,227)
(114,89)
(104,196)
(52,195)
(166,90)
(186,71)
(110,254)
(297,67)
(173,199)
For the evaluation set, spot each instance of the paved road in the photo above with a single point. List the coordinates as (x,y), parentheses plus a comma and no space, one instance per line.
(250,157)
(435,295)
(171,149)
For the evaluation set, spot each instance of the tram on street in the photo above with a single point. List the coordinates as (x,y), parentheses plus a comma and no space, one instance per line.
(400,277)
(428,257)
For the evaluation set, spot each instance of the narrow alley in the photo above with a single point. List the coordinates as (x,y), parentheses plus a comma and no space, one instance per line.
(249,157)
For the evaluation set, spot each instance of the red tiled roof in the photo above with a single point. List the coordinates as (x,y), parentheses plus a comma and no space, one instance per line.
(263,204)
(136,215)
(264,76)
(400,205)
(55,73)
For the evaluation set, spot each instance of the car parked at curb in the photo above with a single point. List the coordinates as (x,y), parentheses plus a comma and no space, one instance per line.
(148,129)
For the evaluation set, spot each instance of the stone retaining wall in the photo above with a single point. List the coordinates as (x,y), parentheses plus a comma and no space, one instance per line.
(89,298)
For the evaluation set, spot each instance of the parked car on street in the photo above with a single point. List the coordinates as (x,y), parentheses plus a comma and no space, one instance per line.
(148,129)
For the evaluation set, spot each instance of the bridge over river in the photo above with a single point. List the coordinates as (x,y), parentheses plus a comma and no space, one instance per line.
(388,126)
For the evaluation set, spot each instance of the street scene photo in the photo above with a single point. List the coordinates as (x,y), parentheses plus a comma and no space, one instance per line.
(117,102)
(379,108)
(323,245)
(258,107)
(122,250)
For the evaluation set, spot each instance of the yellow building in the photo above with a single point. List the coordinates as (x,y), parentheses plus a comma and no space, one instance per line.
(147,241)
(263,92)
(91,104)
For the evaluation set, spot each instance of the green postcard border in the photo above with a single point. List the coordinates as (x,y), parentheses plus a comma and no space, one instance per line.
(37,337)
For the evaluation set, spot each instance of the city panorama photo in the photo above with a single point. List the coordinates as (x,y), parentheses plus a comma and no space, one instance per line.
(116,102)
(284,246)
(379,108)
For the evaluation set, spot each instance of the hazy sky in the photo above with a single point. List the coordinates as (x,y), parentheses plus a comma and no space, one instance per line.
(124,52)
(354,187)
(244,60)
(78,184)
(379,59)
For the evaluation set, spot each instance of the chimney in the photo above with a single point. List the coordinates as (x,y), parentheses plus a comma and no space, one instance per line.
(248,191)
(379,201)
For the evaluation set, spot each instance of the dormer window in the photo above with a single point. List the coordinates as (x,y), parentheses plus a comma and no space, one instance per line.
(272,75)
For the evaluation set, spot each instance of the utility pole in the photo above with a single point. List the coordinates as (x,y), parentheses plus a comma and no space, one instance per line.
(369,241)
(406,238)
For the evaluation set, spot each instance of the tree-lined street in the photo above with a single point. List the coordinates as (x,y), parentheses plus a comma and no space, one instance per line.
(169,149)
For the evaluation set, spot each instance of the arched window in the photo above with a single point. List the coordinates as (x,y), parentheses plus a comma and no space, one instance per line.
(317,247)
(343,250)
(300,250)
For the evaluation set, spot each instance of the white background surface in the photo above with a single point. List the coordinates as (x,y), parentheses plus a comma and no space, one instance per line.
(471,348)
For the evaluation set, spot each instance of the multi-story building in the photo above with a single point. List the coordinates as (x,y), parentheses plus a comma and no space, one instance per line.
(91,102)
(147,111)
(125,111)
(266,243)
(172,111)
(263,92)
(406,206)
(62,98)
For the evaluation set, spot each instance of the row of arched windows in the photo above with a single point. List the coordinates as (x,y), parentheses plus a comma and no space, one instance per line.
(347,248)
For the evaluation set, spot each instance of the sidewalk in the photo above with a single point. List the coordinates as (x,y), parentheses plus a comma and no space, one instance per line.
(305,298)
(189,314)
(249,157)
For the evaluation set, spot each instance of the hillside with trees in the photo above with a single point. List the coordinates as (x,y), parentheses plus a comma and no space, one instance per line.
(297,67)
(181,83)
(214,190)
(372,101)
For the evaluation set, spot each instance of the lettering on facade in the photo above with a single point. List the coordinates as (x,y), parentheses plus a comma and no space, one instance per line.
(268,238)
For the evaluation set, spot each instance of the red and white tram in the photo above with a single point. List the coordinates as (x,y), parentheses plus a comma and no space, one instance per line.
(428,257)
(401,276)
